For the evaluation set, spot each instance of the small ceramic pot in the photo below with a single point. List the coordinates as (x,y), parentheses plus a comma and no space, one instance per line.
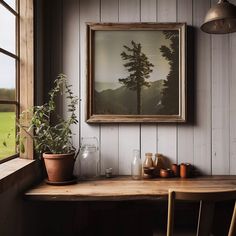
(166,173)
(185,170)
(176,170)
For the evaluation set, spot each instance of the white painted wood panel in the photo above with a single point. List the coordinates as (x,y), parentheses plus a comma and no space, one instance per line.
(166,10)
(109,132)
(109,10)
(184,11)
(89,12)
(129,135)
(110,148)
(202,77)
(148,10)
(220,104)
(128,141)
(129,11)
(232,102)
(148,140)
(185,131)
(148,131)
(70,53)
(167,134)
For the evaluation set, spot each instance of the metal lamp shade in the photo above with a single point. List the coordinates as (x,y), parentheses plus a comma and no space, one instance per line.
(220,19)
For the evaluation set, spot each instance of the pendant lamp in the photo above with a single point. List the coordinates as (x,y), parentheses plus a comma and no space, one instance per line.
(220,19)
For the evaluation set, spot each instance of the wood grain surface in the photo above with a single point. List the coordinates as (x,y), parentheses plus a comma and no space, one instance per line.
(124,188)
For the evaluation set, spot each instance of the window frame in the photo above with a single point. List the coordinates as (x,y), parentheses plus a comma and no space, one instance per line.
(24,56)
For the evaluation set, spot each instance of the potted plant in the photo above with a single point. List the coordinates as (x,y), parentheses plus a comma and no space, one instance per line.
(51,134)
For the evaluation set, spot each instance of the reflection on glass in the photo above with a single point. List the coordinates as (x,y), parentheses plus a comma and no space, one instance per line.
(7,130)
(8,30)
(11,3)
(7,77)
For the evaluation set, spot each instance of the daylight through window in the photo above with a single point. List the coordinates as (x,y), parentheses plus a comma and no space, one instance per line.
(9,77)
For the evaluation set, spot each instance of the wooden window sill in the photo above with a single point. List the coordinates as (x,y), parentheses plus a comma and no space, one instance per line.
(16,170)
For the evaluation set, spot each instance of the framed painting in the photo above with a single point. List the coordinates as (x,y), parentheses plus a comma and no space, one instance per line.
(136,72)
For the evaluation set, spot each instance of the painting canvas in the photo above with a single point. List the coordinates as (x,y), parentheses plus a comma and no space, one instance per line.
(136,73)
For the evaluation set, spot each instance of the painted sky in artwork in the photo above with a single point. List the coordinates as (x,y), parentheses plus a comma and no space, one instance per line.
(109,64)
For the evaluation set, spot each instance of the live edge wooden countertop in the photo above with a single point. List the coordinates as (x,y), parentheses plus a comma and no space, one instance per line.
(124,188)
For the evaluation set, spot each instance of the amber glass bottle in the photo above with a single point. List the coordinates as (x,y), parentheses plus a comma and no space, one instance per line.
(148,162)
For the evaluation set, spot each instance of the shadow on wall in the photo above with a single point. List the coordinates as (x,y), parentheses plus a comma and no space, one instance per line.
(191,93)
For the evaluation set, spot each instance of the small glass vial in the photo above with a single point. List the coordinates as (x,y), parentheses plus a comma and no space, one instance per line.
(108,172)
(136,165)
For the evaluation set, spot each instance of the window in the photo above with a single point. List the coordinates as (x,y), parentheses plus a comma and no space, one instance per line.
(16,70)
(9,64)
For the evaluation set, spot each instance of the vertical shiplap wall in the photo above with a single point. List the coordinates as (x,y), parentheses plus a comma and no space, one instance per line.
(167,133)
(232,101)
(109,145)
(149,132)
(129,135)
(220,103)
(185,131)
(209,139)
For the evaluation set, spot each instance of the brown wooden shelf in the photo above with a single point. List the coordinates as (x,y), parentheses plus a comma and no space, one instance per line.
(124,188)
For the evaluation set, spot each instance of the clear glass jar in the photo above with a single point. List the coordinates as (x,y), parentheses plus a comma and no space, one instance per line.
(136,165)
(89,163)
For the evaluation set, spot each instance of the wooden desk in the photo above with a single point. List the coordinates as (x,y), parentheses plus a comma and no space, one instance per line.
(124,188)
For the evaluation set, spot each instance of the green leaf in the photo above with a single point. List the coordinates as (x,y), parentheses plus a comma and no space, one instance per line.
(22,147)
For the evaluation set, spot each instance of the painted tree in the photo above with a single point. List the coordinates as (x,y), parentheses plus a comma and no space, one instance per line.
(170,98)
(139,69)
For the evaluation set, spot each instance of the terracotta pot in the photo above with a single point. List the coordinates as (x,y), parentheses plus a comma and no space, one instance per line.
(166,173)
(59,167)
(176,170)
(185,170)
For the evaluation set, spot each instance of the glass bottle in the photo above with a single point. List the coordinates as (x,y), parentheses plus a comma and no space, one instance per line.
(136,165)
(156,164)
(147,165)
(148,162)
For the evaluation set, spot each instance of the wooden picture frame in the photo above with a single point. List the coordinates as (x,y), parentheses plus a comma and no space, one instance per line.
(136,72)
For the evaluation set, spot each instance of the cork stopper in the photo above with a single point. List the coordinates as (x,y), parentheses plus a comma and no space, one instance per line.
(148,154)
